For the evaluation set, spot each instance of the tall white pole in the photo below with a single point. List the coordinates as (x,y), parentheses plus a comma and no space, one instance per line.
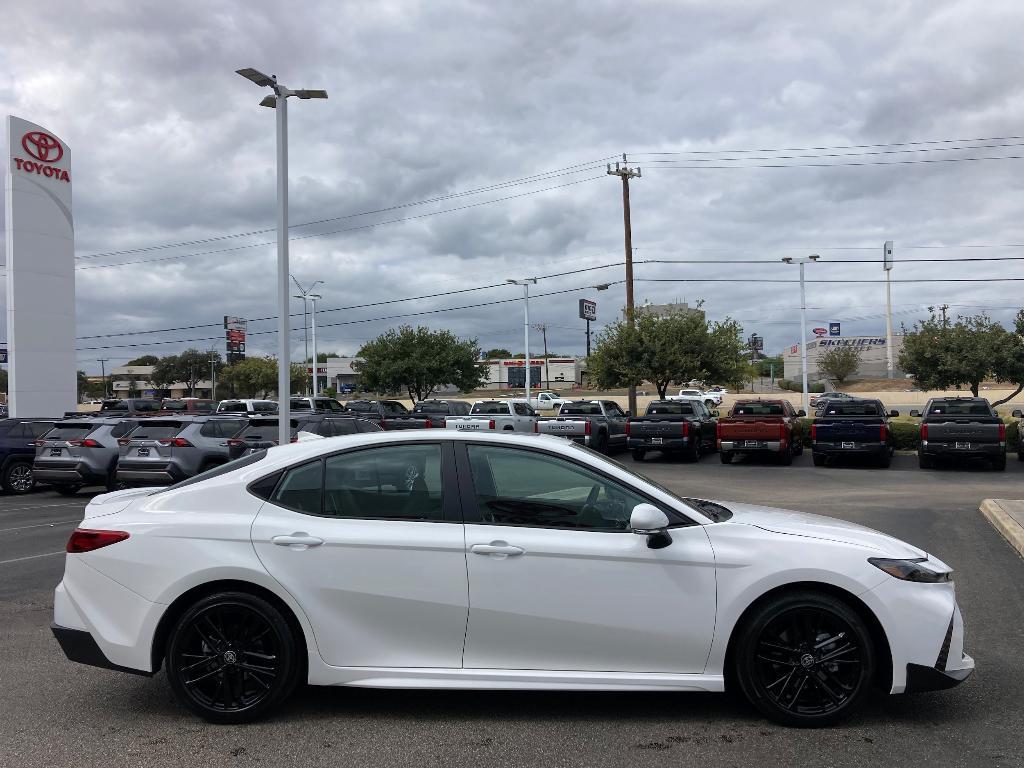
(803,340)
(887,259)
(284,364)
(316,379)
(526,332)
(305,331)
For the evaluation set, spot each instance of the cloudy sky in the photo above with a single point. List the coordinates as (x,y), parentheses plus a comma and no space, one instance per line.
(465,143)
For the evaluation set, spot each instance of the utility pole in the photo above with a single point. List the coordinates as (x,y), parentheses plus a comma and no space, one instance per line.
(103,373)
(305,294)
(887,259)
(213,376)
(316,379)
(526,282)
(943,309)
(803,323)
(543,328)
(588,339)
(626,173)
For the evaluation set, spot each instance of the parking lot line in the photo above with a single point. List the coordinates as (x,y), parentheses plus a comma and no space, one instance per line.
(41,506)
(32,557)
(39,525)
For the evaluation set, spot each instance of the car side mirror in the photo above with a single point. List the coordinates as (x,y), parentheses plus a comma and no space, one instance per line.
(630,413)
(1017,413)
(801,412)
(915,413)
(893,414)
(647,520)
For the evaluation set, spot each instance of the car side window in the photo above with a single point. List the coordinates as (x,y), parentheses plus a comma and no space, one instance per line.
(520,409)
(613,410)
(39,428)
(400,482)
(520,487)
(300,488)
(19,432)
(121,429)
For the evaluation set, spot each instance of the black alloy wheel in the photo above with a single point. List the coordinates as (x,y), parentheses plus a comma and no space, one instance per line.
(232,657)
(17,478)
(694,453)
(805,659)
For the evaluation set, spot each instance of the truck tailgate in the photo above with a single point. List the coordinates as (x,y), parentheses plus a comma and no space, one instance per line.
(750,430)
(843,431)
(562,427)
(653,428)
(963,432)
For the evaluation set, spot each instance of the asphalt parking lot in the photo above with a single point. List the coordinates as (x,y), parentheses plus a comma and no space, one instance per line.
(58,713)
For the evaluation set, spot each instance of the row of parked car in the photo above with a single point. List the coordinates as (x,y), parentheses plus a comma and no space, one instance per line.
(117,448)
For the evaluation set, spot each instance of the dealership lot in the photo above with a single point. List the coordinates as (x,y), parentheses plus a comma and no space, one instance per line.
(60,713)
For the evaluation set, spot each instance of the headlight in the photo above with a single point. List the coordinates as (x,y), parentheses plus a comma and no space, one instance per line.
(919,570)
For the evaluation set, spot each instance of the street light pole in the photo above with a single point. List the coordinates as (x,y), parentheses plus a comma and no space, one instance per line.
(887,259)
(525,282)
(803,324)
(316,379)
(304,294)
(103,373)
(280,102)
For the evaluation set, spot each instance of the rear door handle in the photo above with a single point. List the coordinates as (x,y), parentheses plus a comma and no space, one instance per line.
(297,540)
(497,548)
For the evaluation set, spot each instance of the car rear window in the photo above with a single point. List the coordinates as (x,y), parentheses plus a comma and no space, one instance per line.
(757,409)
(114,405)
(490,408)
(264,431)
(580,409)
(175,405)
(960,409)
(662,409)
(853,409)
(156,430)
(142,406)
(440,406)
(69,431)
(235,407)
(223,469)
(301,405)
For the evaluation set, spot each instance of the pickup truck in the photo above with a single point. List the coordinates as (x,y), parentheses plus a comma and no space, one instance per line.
(495,415)
(380,412)
(597,424)
(852,427)
(961,427)
(428,414)
(673,426)
(710,399)
(761,426)
(548,401)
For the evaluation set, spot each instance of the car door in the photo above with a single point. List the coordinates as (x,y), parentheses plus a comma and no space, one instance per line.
(370,543)
(557,581)
(616,423)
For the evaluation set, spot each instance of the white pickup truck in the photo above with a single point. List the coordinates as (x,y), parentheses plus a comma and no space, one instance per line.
(495,415)
(549,401)
(710,399)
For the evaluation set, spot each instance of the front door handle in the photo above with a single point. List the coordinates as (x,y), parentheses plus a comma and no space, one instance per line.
(497,548)
(298,540)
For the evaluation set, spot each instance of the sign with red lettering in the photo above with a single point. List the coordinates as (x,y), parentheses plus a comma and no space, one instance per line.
(44,150)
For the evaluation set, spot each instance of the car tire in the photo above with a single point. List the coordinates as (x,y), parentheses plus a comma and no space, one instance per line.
(999,464)
(638,454)
(786,457)
(725,456)
(602,443)
(924,461)
(17,478)
(67,490)
(216,644)
(782,663)
(1020,455)
(819,459)
(694,453)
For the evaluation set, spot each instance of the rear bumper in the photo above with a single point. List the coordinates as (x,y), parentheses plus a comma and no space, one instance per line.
(158,473)
(977,450)
(858,449)
(78,475)
(666,444)
(79,646)
(740,446)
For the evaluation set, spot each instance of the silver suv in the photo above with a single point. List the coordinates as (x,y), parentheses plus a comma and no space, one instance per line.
(80,452)
(160,451)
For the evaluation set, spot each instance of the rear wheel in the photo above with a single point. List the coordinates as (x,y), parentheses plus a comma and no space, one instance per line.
(999,464)
(694,452)
(725,456)
(17,478)
(884,460)
(232,658)
(924,461)
(819,459)
(786,457)
(804,659)
(67,490)
(638,454)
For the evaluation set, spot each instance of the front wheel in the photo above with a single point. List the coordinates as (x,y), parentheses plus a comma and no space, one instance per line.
(232,657)
(804,659)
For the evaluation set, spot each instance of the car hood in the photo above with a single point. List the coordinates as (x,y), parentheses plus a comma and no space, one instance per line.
(793,523)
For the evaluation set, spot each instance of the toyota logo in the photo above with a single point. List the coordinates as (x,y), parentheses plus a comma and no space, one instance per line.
(42,146)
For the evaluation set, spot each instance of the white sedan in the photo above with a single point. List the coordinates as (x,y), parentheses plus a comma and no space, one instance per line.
(493,561)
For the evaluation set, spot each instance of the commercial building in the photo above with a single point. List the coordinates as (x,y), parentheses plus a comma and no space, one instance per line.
(134,381)
(335,372)
(662,311)
(872,360)
(554,373)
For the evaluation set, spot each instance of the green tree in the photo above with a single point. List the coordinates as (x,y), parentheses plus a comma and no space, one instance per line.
(301,378)
(663,350)
(498,353)
(419,360)
(189,367)
(840,362)
(252,377)
(144,360)
(941,354)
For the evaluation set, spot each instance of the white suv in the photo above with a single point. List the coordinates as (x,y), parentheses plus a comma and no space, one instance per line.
(247,406)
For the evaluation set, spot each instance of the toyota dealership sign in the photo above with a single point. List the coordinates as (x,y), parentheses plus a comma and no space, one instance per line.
(44,152)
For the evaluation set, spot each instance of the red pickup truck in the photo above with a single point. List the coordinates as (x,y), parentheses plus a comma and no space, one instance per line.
(761,426)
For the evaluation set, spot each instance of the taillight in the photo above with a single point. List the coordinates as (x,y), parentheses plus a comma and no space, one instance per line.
(490,424)
(627,427)
(1002,433)
(294,439)
(232,441)
(686,429)
(428,424)
(883,433)
(586,428)
(175,442)
(536,427)
(924,431)
(782,431)
(814,432)
(39,443)
(123,440)
(718,430)
(86,540)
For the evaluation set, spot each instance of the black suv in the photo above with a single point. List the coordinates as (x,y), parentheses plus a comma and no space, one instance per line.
(262,431)
(377,411)
(18,451)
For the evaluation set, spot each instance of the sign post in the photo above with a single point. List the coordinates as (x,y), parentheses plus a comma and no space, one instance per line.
(38,253)
(887,259)
(588,312)
(234,336)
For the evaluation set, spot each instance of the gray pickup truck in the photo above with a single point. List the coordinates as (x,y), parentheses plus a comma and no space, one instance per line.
(961,428)
(597,424)
(686,427)
(430,414)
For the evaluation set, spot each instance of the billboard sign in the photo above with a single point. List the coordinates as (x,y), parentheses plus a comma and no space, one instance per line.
(3,356)
(588,309)
(820,331)
(833,329)
(234,335)
(887,255)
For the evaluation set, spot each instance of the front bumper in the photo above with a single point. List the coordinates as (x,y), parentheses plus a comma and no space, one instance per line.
(922,678)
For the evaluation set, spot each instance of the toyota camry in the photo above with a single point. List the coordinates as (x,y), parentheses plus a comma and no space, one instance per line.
(467,560)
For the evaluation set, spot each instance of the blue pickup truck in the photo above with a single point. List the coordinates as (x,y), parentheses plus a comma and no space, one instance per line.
(855,427)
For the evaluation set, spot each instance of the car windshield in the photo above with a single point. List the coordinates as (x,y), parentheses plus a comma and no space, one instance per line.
(580,409)
(757,409)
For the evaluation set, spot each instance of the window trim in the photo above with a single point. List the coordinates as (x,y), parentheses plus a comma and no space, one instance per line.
(473,516)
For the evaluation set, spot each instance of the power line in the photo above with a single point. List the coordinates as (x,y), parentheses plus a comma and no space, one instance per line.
(579,168)
(819,149)
(838,154)
(843,165)
(345,229)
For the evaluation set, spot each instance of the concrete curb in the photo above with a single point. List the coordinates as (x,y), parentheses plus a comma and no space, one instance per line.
(1009,523)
